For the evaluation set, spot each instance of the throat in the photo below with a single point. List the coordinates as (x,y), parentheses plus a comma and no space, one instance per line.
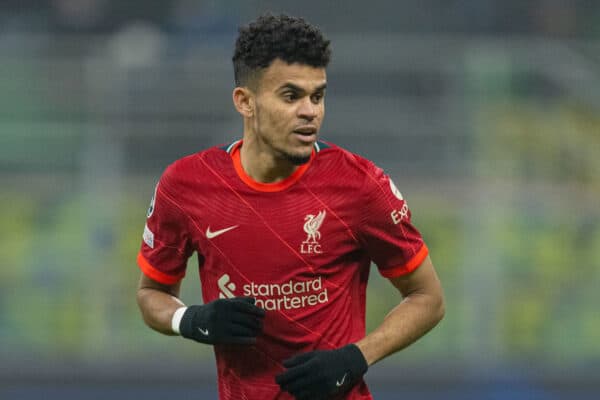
(267,169)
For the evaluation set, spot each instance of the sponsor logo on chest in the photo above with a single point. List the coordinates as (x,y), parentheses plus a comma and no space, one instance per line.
(289,295)
(226,287)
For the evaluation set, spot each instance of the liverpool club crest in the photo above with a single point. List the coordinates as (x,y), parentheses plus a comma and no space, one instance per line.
(312,224)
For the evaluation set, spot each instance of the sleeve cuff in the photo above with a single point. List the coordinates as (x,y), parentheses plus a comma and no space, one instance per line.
(155,274)
(408,267)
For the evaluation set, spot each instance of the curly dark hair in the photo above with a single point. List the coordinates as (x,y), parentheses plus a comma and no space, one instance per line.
(269,37)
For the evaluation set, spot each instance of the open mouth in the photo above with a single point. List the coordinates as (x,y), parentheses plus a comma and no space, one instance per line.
(305,137)
(306,130)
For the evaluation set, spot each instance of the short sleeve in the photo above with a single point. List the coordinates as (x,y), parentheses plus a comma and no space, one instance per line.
(391,240)
(166,241)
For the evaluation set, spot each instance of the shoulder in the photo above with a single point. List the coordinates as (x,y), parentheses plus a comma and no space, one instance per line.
(193,167)
(342,160)
(341,169)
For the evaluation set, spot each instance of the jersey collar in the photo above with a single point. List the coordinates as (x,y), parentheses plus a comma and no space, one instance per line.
(234,151)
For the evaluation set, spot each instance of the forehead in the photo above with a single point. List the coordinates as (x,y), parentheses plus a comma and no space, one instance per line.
(280,73)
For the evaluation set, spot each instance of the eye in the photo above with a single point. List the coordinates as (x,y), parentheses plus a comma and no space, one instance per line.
(317,97)
(290,96)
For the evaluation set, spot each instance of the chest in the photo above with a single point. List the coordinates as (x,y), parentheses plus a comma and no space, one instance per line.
(274,237)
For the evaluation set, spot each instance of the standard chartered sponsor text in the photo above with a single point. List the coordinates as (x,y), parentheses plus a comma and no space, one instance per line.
(287,296)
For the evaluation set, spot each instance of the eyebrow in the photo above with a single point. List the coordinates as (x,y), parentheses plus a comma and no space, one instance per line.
(297,88)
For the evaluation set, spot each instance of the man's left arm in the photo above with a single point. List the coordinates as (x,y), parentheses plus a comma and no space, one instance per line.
(320,374)
(420,310)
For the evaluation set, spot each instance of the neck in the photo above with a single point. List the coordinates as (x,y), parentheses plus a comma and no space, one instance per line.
(261,165)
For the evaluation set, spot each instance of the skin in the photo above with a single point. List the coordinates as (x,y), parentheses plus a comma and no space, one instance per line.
(158,302)
(287,98)
(282,112)
(420,310)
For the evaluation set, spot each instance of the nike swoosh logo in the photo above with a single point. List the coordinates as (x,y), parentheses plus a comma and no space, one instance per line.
(203,331)
(210,234)
(340,383)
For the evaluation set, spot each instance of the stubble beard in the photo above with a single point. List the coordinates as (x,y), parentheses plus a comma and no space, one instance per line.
(296,159)
(285,155)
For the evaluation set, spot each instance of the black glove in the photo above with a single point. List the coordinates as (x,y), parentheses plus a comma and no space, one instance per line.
(321,374)
(223,321)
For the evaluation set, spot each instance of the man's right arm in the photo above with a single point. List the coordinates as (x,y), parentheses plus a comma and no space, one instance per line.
(158,303)
(222,321)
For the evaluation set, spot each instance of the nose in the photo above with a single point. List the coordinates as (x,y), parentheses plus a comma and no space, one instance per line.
(307,109)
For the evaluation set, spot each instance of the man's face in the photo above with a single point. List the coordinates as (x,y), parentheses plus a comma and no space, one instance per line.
(289,110)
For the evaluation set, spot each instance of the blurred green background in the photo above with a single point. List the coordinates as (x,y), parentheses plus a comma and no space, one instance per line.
(486,115)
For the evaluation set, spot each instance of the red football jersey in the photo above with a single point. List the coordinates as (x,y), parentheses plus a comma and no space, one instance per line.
(302,247)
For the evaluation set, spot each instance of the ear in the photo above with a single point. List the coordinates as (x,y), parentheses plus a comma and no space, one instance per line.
(243,99)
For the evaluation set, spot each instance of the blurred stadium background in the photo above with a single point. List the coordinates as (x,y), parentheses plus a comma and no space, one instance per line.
(485,113)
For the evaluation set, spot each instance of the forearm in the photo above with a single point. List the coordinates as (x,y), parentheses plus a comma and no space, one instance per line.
(157,308)
(412,318)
